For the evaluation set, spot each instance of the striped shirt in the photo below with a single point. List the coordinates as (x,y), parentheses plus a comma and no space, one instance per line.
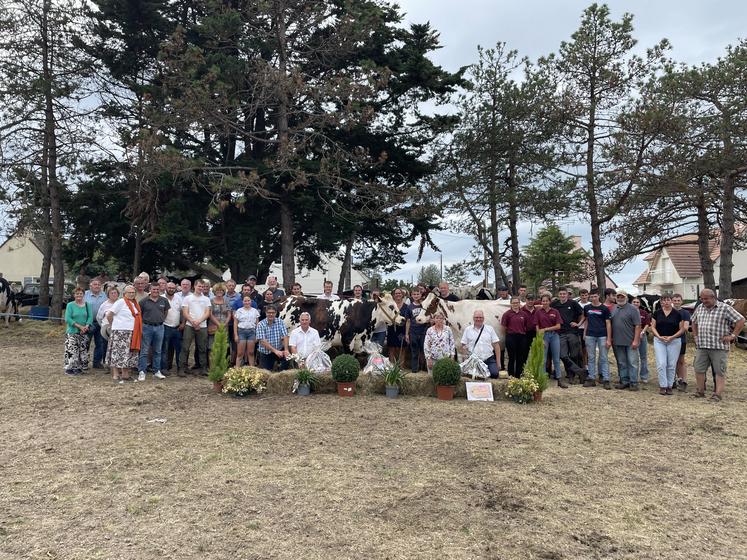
(713,324)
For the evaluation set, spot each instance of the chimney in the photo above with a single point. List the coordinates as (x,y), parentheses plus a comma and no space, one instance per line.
(577,241)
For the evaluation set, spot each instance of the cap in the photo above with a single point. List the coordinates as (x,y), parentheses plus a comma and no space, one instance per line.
(252,277)
(502,289)
(622,293)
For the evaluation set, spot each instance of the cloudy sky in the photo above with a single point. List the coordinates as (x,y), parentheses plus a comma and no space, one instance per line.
(698,31)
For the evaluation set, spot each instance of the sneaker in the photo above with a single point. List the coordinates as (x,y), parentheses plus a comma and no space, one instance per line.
(70,372)
(159,375)
(634,387)
(590,383)
(120,382)
(607,385)
(663,390)
(141,376)
(622,386)
(670,392)
(562,384)
(681,385)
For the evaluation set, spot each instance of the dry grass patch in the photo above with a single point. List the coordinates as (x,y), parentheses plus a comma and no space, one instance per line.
(89,471)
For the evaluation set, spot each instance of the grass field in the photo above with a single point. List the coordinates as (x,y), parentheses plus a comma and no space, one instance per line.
(163,470)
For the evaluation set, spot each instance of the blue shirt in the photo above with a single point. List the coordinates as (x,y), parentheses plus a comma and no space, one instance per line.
(596,317)
(272,334)
(94,301)
(239,302)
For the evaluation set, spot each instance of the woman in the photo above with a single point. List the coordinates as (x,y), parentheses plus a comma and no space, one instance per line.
(267,299)
(358,292)
(643,345)
(123,351)
(514,325)
(113,295)
(439,341)
(79,320)
(245,332)
(220,313)
(395,334)
(667,326)
(548,322)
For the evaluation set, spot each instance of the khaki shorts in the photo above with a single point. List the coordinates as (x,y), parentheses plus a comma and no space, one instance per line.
(707,357)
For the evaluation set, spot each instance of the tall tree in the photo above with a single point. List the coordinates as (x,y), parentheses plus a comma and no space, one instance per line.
(552,257)
(599,76)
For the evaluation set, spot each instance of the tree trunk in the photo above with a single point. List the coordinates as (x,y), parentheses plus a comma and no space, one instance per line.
(286,246)
(347,263)
(591,199)
(704,238)
(45,270)
(513,229)
(727,238)
(137,253)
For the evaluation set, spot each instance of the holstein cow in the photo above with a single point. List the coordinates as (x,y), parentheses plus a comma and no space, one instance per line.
(458,314)
(649,302)
(345,323)
(8,302)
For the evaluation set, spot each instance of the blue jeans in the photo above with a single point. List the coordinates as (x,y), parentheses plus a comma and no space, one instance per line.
(172,344)
(667,354)
(552,344)
(492,367)
(643,358)
(627,364)
(379,338)
(100,344)
(152,336)
(596,344)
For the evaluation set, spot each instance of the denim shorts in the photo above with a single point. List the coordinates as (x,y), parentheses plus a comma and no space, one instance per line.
(247,335)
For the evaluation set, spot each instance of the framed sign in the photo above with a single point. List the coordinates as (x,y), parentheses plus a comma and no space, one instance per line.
(479,391)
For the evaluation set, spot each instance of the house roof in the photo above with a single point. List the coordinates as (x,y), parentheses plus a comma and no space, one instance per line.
(683,252)
(644,278)
(36,238)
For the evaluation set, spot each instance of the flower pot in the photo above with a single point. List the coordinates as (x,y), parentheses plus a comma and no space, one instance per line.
(392,391)
(304,390)
(346,389)
(218,386)
(537,396)
(445,392)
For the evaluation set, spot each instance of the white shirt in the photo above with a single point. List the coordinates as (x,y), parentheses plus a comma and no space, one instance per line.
(174,314)
(330,297)
(123,319)
(101,315)
(305,342)
(197,306)
(246,318)
(484,348)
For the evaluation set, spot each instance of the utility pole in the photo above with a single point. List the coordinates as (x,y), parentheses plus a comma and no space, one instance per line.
(441,274)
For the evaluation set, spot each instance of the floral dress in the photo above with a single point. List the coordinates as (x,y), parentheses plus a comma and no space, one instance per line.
(437,344)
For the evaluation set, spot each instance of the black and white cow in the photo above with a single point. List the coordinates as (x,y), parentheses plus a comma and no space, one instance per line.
(345,323)
(649,302)
(8,302)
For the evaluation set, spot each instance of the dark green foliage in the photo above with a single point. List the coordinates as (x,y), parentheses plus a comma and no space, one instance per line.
(345,368)
(306,377)
(446,372)
(394,375)
(219,355)
(550,257)
(535,364)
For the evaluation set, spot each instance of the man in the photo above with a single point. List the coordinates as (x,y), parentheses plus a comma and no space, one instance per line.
(572,316)
(232,296)
(482,341)
(304,339)
(277,291)
(195,312)
(140,291)
(95,296)
(162,283)
(172,336)
(252,282)
(328,292)
(609,299)
(154,309)
(626,336)
(715,326)
(681,369)
(273,340)
(443,292)
(296,290)
(598,339)
(523,294)
(246,290)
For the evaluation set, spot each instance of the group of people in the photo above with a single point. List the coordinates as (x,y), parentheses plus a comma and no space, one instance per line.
(154,326)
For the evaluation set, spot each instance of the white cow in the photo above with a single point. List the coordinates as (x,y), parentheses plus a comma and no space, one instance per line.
(8,302)
(458,314)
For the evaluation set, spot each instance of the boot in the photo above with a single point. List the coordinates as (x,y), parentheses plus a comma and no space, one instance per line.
(562,383)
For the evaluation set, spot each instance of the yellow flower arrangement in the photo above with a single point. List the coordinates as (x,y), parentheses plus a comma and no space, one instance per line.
(241,381)
(521,390)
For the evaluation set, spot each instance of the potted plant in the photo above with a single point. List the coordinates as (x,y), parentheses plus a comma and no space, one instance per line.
(305,380)
(345,371)
(521,390)
(219,359)
(394,379)
(535,367)
(241,381)
(446,374)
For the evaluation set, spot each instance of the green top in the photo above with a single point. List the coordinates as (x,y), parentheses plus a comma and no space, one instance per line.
(75,314)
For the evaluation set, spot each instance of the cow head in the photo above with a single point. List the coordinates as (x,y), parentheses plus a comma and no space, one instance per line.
(386,311)
(430,304)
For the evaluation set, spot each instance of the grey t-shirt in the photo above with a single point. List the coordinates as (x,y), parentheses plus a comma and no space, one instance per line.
(624,321)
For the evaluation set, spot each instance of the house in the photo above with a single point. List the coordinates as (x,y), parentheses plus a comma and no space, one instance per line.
(21,258)
(588,278)
(675,268)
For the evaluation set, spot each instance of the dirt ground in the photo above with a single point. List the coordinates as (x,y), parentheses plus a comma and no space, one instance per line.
(163,470)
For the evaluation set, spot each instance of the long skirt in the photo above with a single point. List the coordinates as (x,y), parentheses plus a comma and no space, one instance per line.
(76,352)
(118,353)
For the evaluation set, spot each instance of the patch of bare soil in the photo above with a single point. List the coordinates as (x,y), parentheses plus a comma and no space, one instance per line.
(91,470)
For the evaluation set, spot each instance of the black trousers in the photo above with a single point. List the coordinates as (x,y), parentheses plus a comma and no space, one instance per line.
(516,346)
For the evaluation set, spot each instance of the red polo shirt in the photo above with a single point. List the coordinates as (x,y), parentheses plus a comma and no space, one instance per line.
(516,322)
(548,318)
